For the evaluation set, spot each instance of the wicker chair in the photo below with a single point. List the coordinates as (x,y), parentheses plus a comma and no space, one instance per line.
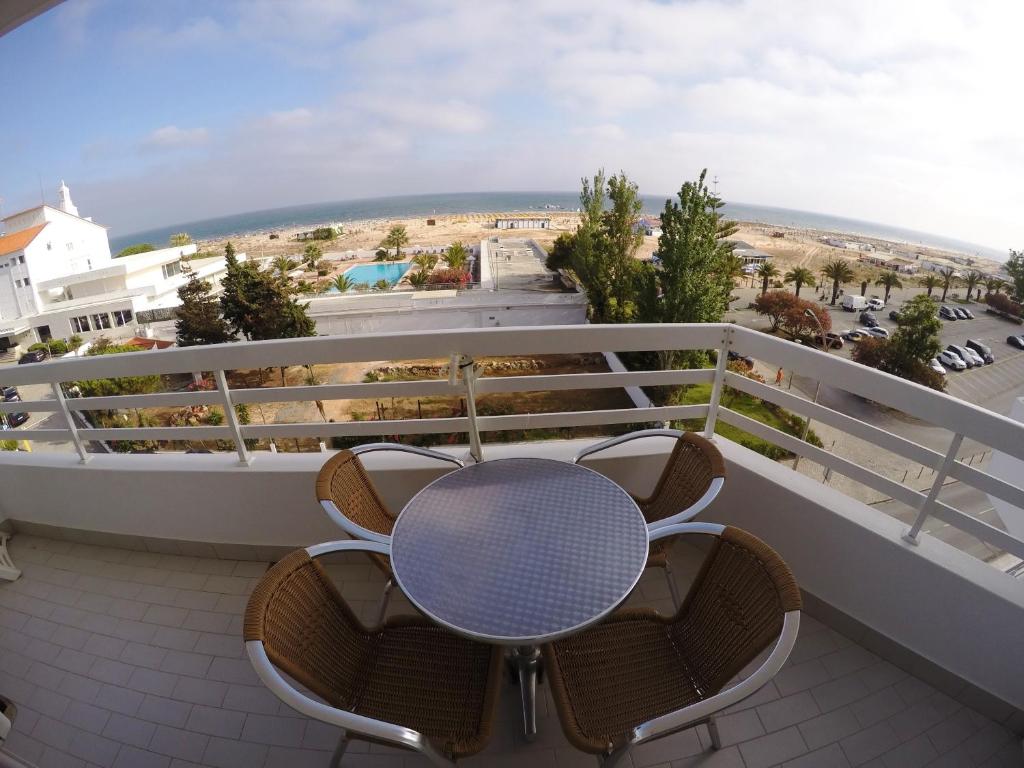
(692,478)
(344,484)
(640,675)
(406,682)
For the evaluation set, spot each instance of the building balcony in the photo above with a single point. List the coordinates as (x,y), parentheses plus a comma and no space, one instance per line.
(121,641)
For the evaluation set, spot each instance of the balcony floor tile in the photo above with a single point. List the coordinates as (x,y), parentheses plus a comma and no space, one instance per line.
(133,658)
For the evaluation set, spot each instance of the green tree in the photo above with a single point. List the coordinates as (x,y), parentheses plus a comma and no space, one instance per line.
(418,279)
(839,272)
(560,256)
(1015,269)
(259,305)
(425,261)
(131,250)
(312,255)
(948,276)
(382,285)
(917,337)
(888,280)
(199,319)
(282,265)
(971,280)
(799,277)
(604,246)
(930,282)
(456,256)
(178,239)
(396,238)
(992,285)
(692,284)
(121,385)
(343,283)
(766,271)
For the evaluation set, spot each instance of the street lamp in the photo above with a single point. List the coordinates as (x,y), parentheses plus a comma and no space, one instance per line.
(817,388)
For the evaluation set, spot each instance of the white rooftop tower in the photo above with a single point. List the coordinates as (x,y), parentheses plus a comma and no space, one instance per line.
(64,199)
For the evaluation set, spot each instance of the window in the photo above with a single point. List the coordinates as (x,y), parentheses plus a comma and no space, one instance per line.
(122,317)
(21,259)
(49,246)
(27,282)
(100,321)
(80,324)
(18,282)
(172,269)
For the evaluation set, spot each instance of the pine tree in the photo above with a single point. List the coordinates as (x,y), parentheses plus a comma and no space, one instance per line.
(199,319)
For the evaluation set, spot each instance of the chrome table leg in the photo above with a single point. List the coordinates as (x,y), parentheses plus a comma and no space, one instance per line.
(527,660)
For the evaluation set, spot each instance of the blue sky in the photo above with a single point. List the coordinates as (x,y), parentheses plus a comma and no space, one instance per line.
(156,113)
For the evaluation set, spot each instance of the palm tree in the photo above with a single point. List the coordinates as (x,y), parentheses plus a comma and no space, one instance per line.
(972,279)
(456,256)
(948,275)
(733,268)
(799,277)
(766,272)
(343,283)
(992,285)
(312,255)
(889,280)
(382,285)
(931,282)
(396,238)
(838,272)
(425,261)
(418,279)
(283,265)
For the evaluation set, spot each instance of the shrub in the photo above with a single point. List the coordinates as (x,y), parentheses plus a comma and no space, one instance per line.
(53,347)
(325,233)
(131,250)
(448,277)
(1003,303)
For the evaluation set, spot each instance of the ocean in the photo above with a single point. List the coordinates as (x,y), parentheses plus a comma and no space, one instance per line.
(482,202)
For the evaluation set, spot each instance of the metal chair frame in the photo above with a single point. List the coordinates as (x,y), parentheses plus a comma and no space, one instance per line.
(390,733)
(683,515)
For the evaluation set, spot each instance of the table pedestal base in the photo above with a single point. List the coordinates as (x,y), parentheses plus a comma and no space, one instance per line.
(527,661)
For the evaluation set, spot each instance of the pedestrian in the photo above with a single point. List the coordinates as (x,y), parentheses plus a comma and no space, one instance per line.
(778,377)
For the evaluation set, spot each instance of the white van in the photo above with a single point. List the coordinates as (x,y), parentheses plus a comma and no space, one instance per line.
(854,303)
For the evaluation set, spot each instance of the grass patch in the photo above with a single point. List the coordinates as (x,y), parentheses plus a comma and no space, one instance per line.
(751,407)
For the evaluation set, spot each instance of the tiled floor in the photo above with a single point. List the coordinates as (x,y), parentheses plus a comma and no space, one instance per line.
(124,658)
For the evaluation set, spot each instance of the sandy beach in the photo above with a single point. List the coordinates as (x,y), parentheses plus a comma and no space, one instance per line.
(795,247)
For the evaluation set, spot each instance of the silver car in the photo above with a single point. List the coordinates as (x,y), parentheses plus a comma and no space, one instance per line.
(936,366)
(951,360)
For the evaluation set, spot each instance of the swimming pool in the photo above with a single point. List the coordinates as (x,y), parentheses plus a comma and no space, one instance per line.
(371,273)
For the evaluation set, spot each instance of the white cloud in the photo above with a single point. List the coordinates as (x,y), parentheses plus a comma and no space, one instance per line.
(172,137)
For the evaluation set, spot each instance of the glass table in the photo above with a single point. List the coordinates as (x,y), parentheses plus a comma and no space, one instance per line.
(519,552)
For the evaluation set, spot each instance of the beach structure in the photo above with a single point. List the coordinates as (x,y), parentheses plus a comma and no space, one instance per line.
(58,278)
(522,222)
(650,226)
(752,257)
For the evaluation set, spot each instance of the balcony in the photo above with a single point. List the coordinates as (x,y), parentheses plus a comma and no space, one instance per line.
(126,622)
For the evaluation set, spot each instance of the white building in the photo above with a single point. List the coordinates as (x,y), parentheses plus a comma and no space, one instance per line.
(57,278)
(522,222)
(649,226)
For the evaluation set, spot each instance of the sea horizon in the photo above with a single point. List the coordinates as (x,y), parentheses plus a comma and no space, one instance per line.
(404,206)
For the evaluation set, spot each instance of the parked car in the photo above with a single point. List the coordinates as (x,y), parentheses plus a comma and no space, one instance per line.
(1015,341)
(966,355)
(936,366)
(9,394)
(961,313)
(878,332)
(951,360)
(12,420)
(876,303)
(852,303)
(854,335)
(33,356)
(894,316)
(985,353)
(868,319)
(946,313)
(831,340)
(970,315)
(747,361)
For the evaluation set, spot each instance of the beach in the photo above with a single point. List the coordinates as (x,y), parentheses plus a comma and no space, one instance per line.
(789,246)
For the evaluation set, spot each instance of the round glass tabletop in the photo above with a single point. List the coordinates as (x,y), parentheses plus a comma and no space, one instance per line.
(519,551)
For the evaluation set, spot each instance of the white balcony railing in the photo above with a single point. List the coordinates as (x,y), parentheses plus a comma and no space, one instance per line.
(961,419)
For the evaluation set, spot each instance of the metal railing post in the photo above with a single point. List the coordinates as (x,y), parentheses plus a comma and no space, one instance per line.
(468,368)
(244,457)
(76,438)
(940,477)
(716,387)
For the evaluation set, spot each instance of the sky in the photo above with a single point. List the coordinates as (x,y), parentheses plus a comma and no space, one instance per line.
(905,113)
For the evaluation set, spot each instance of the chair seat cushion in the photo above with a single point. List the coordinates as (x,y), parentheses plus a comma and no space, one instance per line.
(428,679)
(607,680)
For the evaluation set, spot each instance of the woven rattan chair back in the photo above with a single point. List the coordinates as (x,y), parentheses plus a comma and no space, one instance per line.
(692,465)
(734,609)
(308,630)
(345,481)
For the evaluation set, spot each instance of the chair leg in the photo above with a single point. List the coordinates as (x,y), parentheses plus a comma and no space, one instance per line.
(612,759)
(672,588)
(384,599)
(716,739)
(339,751)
